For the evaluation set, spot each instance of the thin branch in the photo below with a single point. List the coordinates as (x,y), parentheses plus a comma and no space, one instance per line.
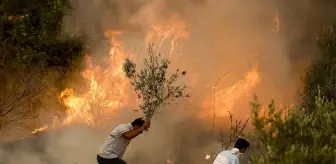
(14,108)
(235,130)
(214,97)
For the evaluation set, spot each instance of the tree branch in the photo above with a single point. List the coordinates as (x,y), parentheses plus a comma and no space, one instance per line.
(235,131)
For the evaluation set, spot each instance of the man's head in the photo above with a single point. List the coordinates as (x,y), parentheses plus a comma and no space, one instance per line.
(137,123)
(242,145)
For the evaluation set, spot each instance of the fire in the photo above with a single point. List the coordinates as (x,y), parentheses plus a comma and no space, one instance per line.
(108,87)
(207,157)
(44,127)
(172,29)
(169,161)
(228,97)
(104,95)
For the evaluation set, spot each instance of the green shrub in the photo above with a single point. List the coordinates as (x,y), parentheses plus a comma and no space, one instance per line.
(320,76)
(293,136)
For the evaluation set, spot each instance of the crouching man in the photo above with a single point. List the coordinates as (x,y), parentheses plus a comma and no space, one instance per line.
(112,150)
(231,156)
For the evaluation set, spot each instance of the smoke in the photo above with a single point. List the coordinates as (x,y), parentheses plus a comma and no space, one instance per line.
(223,37)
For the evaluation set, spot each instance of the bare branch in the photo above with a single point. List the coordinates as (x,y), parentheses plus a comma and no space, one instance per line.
(214,97)
(17,97)
(235,131)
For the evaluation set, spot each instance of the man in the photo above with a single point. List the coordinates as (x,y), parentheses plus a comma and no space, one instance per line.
(112,150)
(231,156)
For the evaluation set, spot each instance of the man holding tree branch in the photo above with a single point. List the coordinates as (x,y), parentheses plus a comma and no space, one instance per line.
(112,150)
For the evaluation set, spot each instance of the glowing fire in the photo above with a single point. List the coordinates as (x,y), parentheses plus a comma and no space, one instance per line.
(169,161)
(106,93)
(108,87)
(171,29)
(228,97)
(44,127)
(104,96)
(207,157)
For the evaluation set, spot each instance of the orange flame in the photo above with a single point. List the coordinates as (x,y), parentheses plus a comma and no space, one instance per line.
(44,127)
(228,97)
(207,157)
(108,88)
(104,96)
(172,29)
(169,161)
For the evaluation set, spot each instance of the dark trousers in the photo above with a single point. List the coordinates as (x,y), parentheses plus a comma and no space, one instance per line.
(102,160)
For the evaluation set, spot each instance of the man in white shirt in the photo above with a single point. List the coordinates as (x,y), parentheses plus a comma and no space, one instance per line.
(112,150)
(231,156)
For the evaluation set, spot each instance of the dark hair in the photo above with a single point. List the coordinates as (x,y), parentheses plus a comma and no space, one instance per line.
(138,122)
(241,144)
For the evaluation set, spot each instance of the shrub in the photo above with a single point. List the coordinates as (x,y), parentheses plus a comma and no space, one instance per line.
(293,136)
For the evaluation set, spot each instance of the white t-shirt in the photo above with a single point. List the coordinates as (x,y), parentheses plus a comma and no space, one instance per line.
(227,157)
(115,144)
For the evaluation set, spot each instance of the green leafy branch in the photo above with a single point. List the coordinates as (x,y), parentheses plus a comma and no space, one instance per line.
(152,83)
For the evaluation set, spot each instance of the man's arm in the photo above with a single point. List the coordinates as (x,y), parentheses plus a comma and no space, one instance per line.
(133,133)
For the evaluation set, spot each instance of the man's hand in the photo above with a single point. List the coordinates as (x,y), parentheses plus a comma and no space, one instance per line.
(146,125)
(135,132)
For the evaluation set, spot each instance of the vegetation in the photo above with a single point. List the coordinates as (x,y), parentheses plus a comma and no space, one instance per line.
(236,131)
(30,35)
(321,75)
(152,84)
(304,133)
(31,45)
(295,136)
